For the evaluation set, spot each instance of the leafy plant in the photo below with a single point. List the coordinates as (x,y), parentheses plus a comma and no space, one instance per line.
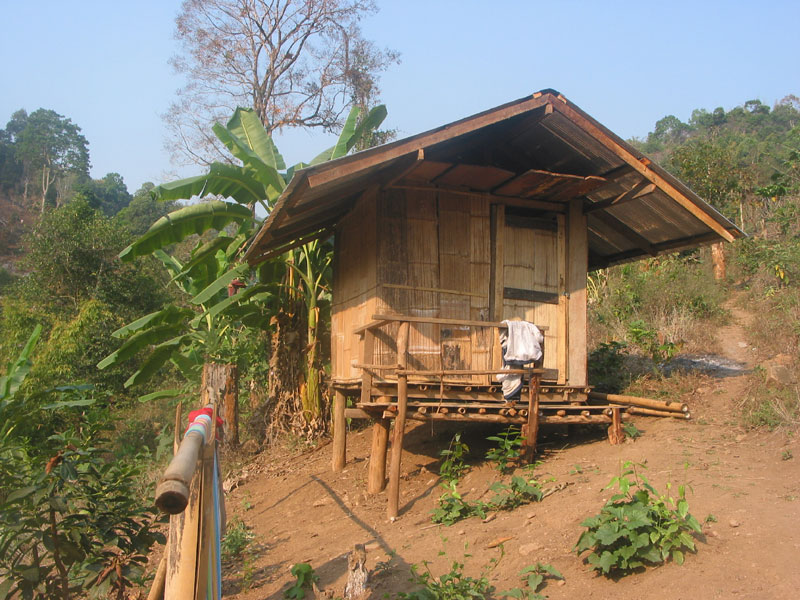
(453,508)
(237,538)
(520,491)
(631,430)
(533,576)
(452,585)
(453,466)
(637,526)
(508,449)
(304,577)
(606,362)
(659,349)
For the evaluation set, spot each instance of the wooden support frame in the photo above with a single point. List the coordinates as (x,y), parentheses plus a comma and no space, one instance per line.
(399,423)
(339,457)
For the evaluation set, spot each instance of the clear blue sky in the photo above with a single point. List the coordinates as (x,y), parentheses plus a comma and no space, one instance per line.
(104,64)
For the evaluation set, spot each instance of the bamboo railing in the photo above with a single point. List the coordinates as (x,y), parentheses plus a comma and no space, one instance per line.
(191,493)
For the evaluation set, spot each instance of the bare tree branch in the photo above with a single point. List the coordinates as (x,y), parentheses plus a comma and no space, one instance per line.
(297,63)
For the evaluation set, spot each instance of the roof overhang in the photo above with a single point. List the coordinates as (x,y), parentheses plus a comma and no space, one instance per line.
(539,152)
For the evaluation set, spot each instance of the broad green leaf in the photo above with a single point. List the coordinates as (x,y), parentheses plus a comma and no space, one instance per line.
(172,393)
(140,340)
(227,181)
(371,122)
(261,170)
(204,252)
(246,125)
(677,556)
(170,314)
(683,508)
(182,223)
(19,369)
(220,283)
(21,493)
(69,404)
(155,361)
(348,131)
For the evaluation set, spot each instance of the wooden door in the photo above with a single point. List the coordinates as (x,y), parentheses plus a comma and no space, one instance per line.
(528,277)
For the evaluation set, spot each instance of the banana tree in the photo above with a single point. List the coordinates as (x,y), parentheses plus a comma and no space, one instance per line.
(205,330)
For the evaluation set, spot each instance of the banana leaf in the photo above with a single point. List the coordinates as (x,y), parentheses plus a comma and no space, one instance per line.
(227,181)
(169,314)
(182,223)
(140,340)
(220,283)
(265,173)
(246,125)
(161,354)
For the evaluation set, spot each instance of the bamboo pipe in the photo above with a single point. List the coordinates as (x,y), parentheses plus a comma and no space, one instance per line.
(462,410)
(172,492)
(635,410)
(662,405)
(422,410)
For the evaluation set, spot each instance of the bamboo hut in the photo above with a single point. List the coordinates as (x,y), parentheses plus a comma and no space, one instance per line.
(441,236)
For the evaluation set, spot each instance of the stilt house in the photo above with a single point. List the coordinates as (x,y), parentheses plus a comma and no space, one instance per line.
(441,236)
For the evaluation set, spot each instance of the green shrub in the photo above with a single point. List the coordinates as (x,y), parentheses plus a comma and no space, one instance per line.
(606,367)
(452,585)
(508,449)
(453,466)
(533,576)
(637,526)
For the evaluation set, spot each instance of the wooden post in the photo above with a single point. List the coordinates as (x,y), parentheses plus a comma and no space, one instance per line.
(230,404)
(399,422)
(718,261)
(615,433)
(377,458)
(367,348)
(532,428)
(339,432)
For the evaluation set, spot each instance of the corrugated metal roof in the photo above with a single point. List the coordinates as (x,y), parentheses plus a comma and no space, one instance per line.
(538,148)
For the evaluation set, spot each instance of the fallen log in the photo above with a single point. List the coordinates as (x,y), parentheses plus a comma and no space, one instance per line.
(662,405)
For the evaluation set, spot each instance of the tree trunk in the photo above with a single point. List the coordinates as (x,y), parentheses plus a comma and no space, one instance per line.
(718,261)
(221,385)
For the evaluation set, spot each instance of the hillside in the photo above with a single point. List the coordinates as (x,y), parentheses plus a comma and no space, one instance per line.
(744,488)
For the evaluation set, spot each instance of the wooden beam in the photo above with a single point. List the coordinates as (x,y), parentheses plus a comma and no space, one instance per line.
(507,200)
(638,191)
(615,224)
(671,246)
(607,139)
(562,334)
(440,321)
(322,234)
(530,295)
(407,167)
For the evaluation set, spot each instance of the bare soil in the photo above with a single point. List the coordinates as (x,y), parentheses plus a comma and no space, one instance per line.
(748,480)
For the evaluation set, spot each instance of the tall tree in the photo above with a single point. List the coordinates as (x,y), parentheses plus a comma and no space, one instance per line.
(296,62)
(53,148)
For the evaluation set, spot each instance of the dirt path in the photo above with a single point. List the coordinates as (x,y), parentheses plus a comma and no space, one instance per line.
(743,481)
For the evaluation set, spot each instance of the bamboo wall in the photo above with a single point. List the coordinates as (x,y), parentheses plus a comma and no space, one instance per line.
(435,254)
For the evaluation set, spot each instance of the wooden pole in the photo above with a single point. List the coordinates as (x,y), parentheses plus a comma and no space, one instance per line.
(399,422)
(532,427)
(376,480)
(339,432)
(665,405)
(635,410)
(157,589)
(615,433)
